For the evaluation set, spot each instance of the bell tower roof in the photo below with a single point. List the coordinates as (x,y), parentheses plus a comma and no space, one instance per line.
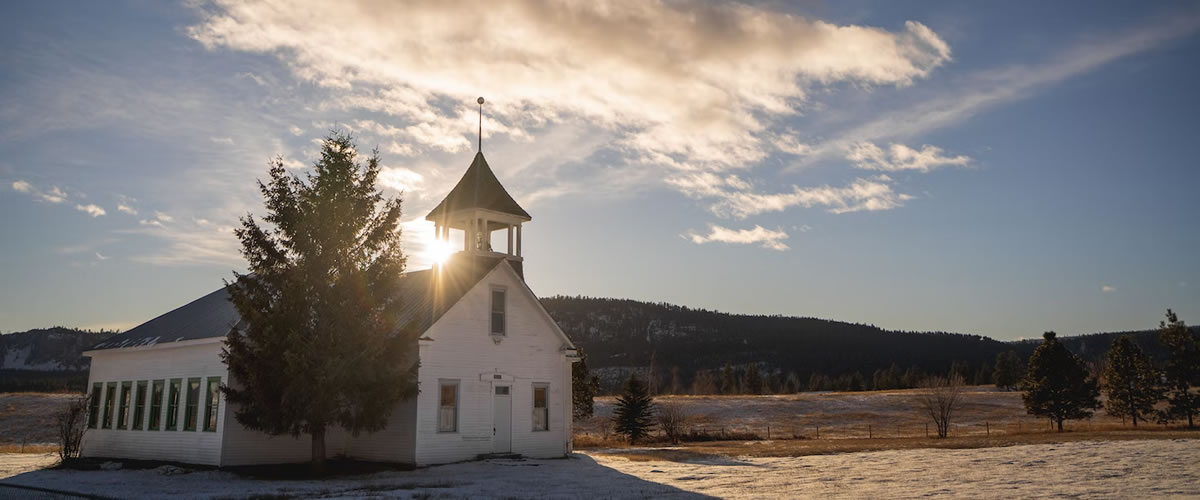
(478,189)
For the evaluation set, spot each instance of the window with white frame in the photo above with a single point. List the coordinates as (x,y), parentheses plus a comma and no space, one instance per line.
(498,327)
(448,406)
(541,410)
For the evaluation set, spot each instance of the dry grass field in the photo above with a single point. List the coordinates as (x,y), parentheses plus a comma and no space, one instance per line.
(836,422)
(27,421)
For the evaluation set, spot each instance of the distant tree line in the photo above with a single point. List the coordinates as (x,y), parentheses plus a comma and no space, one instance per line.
(1056,383)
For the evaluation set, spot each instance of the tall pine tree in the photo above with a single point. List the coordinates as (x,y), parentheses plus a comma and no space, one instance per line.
(633,414)
(319,345)
(1182,370)
(1057,385)
(1130,381)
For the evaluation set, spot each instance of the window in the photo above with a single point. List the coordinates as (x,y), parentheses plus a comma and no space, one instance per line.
(448,407)
(139,406)
(123,411)
(210,403)
(173,405)
(498,311)
(156,401)
(541,411)
(110,400)
(94,405)
(193,404)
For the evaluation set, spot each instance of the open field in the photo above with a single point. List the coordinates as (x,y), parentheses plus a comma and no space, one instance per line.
(1088,469)
(27,418)
(985,411)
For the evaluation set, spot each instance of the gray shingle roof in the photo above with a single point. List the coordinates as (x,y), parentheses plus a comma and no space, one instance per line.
(426,295)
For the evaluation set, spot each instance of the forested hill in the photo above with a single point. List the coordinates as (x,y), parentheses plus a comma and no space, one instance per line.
(626,333)
(46,359)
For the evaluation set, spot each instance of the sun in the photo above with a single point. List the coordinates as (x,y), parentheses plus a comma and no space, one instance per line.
(438,251)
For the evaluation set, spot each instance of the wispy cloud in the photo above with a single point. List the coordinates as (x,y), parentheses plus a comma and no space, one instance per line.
(91,209)
(732,197)
(985,89)
(868,156)
(52,195)
(1108,288)
(767,238)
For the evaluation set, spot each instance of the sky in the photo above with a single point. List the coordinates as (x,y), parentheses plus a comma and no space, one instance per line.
(998,168)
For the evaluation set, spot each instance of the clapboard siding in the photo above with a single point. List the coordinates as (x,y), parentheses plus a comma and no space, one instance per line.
(396,443)
(461,349)
(160,362)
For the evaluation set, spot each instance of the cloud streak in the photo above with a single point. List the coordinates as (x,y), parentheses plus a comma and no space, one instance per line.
(767,238)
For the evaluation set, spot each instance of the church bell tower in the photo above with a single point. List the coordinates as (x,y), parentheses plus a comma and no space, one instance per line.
(479,206)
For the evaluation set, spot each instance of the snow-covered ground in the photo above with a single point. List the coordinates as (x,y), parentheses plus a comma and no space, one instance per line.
(1089,469)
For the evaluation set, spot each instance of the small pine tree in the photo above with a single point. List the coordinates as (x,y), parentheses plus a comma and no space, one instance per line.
(728,380)
(584,387)
(633,415)
(752,382)
(1182,370)
(1130,381)
(1007,373)
(1057,385)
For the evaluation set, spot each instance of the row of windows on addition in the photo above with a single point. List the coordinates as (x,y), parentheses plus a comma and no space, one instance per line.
(104,403)
(448,405)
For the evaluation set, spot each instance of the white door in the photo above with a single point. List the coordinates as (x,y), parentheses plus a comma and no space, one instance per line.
(502,420)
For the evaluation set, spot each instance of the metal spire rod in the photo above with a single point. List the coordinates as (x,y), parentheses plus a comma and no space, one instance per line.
(480,101)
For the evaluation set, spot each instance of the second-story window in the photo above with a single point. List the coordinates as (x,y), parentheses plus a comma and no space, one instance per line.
(498,311)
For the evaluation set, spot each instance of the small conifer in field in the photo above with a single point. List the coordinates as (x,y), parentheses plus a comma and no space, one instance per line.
(634,412)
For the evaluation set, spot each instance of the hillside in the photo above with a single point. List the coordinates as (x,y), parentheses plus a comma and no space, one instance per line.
(619,335)
(46,359)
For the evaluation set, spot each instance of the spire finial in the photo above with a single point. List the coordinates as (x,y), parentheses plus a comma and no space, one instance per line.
(480,101)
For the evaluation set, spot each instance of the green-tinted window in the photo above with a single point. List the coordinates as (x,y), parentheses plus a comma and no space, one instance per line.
(110,401)
(139,406)
(123,410)
(211,396)
(156,401)
(173,404)
(193,404)
(94,405)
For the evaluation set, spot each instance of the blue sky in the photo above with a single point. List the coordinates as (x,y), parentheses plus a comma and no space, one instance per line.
(1000,168)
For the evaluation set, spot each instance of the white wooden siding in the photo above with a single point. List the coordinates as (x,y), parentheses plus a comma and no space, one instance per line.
(158,363)
(462,349)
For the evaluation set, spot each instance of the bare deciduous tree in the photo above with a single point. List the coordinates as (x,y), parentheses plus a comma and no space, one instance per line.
(72,423)
(672,419)
(939,397)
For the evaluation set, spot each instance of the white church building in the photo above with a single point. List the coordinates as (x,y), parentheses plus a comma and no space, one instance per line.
(494,373)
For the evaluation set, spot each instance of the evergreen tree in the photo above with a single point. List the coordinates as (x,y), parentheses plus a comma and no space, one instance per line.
(633,414)
(752,381)
(1007,373)
(983,376)
(584,387)
(728,380)
(1057,385)
(818,382)
(319,344)
(791,385)
(1130,381)
(1182,369)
